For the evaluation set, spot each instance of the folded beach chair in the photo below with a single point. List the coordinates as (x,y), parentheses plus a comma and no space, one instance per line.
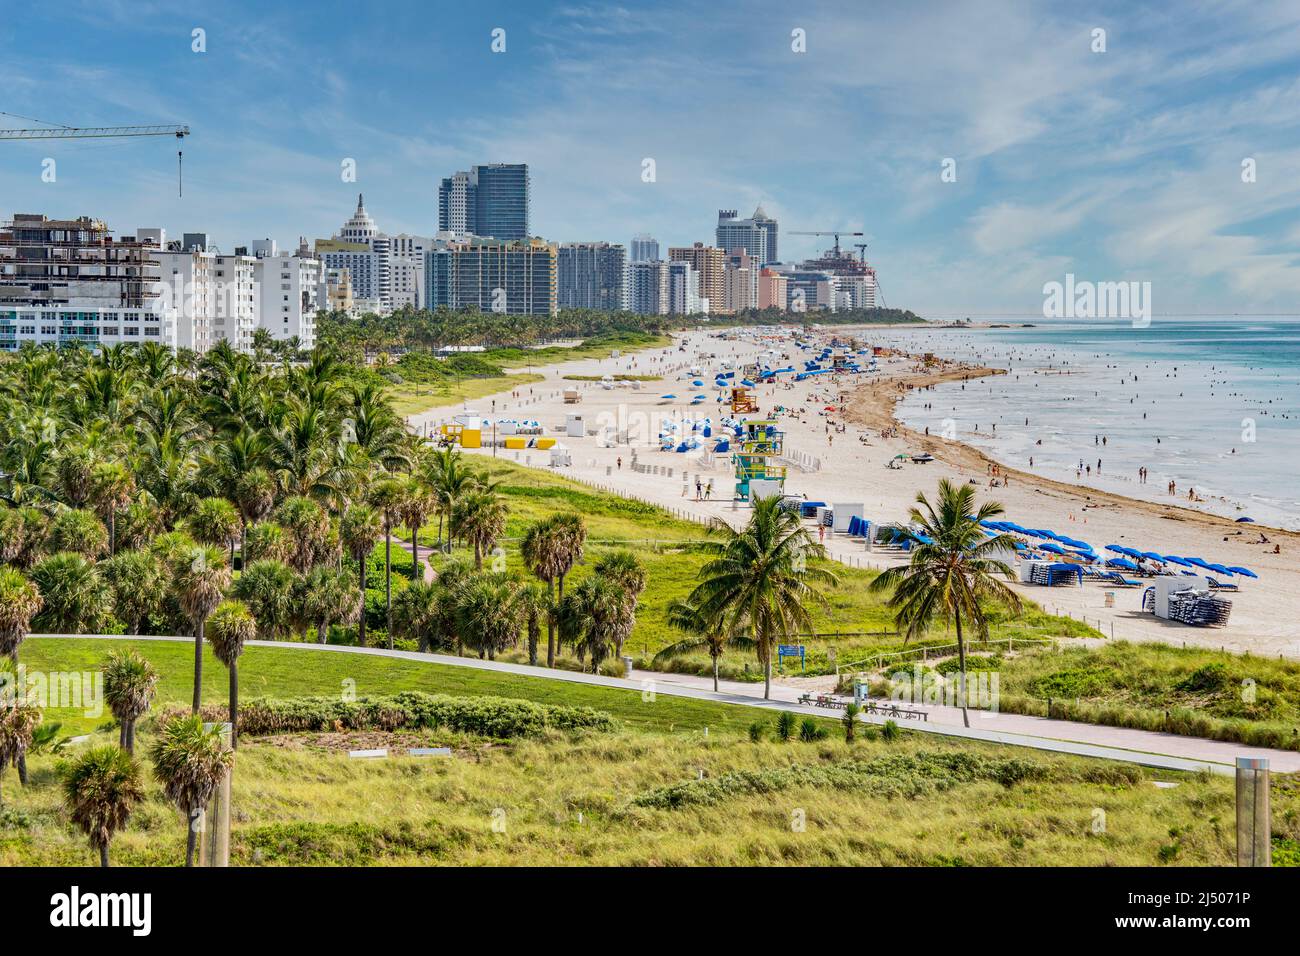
(1216,586)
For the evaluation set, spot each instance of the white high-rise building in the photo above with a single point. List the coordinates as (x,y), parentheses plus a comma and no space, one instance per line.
(684,289)
(407,270)
(289,292)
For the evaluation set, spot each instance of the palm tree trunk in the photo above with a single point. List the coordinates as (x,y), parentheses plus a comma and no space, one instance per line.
(415,552)
(361,621)
(767,678)
(322,631)
(21,762)
(103,855)
(478,557)
(715,673)
(112,540)
(121,735)
(388,579)
(234,705)
(961,660)
(550,626)
(198,667)
(192,838)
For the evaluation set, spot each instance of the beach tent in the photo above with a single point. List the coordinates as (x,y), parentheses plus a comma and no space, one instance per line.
(1245,521)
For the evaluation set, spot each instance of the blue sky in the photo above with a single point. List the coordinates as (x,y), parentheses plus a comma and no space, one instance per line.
(1119,165)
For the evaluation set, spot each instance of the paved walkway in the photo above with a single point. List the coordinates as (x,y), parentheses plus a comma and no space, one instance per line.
(1164,751)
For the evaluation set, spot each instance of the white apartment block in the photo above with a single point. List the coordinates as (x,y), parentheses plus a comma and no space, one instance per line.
(684,289)
(407,269)
(215,297)
(289,286)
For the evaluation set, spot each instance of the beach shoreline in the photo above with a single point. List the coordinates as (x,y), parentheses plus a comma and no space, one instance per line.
(874,405)
(851,456)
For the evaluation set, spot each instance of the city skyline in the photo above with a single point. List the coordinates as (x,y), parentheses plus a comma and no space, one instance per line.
(1125,164)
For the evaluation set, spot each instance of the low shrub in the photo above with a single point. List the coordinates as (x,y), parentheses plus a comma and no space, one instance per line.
(893,775)
(499,717)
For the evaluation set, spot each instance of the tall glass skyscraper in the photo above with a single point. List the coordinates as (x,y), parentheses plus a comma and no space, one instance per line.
(489,200)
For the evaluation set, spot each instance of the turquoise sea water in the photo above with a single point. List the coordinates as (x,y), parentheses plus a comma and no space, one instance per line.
(1211,404)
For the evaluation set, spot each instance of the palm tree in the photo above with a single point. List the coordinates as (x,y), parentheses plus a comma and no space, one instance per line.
(953,570)
(360,530)
(20,601)
(215,521)
(593,616)
(419,505)
(100,789)
(80,532)
(487,613)
(202,580)
(551,547)
(229,627)
(136,579)
(416,612)
(535,606)
(267,589)
(448,475)
(18,719)
(329,596)
(389,498)
(312,540)
(625,569)
(254,492)
(757,580)
(191,763)
(701,634)
(77,599)
(265,541)
(111,489)
(481,520)
(129,682)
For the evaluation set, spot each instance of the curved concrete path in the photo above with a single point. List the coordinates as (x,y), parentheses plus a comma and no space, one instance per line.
(1163,751)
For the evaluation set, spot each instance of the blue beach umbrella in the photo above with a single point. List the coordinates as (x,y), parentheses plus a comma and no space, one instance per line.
(1052,548)
(1153,556)
(1175,559)
(1121,563)
(1117,548)
(1238,569)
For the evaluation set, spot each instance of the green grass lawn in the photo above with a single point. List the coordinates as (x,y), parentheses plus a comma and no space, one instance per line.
(592,798)
(666,546)
(414,398)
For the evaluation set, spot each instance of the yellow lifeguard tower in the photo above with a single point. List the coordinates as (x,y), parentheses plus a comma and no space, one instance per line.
(742,401)
(755,457)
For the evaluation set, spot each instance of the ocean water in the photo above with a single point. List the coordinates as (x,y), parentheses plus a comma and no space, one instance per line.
(1210,404)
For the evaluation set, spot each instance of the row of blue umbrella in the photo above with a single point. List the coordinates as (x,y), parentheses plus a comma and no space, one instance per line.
(1085,550)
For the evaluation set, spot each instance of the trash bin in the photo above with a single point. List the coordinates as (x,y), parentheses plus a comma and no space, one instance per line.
(1110,598)
(627,663)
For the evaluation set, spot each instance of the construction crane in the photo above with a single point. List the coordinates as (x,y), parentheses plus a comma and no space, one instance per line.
(829,232)
(862,251)
(58,131)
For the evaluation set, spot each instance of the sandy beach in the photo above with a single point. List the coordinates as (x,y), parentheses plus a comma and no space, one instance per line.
(852,466)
